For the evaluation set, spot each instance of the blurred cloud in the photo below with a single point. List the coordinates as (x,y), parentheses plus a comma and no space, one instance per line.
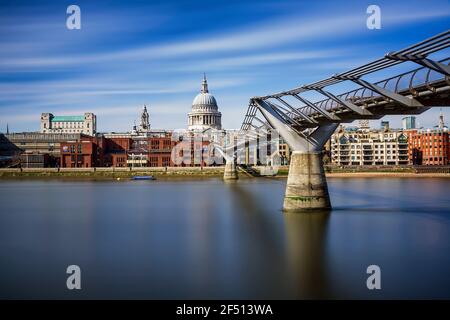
(133,53)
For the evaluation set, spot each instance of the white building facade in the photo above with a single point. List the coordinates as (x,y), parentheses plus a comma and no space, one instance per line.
(85,124)
(205,112)
(369,147)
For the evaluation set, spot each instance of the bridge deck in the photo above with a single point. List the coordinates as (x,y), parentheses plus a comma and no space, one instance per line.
(423,88)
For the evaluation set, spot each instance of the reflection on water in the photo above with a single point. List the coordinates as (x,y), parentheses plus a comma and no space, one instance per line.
(209,239)
(305,253)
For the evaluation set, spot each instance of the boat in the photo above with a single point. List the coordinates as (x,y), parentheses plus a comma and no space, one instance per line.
(143,178)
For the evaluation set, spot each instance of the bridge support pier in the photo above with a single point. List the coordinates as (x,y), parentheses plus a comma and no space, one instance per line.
(306,187)
(230,172)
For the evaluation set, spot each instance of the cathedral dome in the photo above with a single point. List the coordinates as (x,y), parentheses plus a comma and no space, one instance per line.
(205,112)
(205,99)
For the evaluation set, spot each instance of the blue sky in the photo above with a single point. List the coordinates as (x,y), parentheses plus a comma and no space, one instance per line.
(128,53)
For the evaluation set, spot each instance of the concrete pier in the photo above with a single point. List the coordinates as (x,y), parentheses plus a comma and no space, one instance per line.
(230,172)
(306,187)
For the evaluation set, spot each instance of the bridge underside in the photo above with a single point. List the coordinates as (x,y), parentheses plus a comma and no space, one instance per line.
(307,127)
(425,96)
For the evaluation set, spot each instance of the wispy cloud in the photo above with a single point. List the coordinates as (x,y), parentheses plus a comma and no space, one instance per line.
(263,35)
(246,61)
(130,54)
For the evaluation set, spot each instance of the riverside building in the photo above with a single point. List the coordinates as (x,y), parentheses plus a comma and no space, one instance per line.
(369,147)
(431,146)
(84,124)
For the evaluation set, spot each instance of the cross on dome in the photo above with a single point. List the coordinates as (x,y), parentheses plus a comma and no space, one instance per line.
(204,84)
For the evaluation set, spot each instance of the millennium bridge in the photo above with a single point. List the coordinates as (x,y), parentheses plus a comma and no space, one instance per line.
(306,125)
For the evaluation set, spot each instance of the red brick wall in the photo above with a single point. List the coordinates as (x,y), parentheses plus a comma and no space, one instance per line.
(80,154)
(429,148)
(119,160)
(117,145)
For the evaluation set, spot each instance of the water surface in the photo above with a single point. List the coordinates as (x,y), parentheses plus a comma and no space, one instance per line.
(188,239)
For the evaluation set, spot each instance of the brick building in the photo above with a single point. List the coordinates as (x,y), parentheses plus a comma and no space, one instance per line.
(151,151)
(144,149)
(86,152)
(430,147)
(116,150)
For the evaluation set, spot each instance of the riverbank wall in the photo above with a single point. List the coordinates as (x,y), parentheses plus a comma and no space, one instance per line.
(110,172)
(282,172)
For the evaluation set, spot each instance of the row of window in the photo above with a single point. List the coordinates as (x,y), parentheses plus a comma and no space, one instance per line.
(381,146)
(376,158)
(64,130)
(366,136)
(376,152)
(67,124)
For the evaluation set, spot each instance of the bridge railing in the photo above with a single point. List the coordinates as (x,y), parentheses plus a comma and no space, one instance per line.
(408,81)
(430,74)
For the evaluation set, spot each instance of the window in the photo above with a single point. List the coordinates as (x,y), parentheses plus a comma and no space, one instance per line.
(166,143)
(154,161)
(166,161)
(155,144)
(343,140)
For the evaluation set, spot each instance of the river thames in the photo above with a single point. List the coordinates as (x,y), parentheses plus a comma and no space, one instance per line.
(203,238)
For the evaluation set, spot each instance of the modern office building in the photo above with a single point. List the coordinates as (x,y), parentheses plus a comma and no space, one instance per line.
(409,123)
(85,124)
